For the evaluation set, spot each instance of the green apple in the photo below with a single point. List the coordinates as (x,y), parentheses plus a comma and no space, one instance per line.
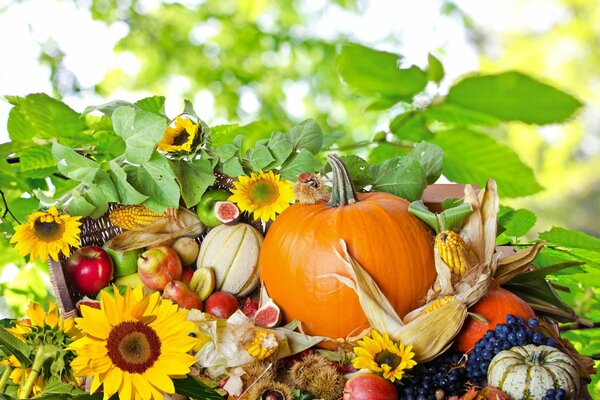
(206,208)
(125,262)
(110,291)
(132,280)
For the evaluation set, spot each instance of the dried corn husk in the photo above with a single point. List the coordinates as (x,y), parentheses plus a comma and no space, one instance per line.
(430,334)
(517,263)
(183,222)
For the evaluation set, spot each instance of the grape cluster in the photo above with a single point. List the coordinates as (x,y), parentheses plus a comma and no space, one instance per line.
(446,373)
(515,332)
(555,394)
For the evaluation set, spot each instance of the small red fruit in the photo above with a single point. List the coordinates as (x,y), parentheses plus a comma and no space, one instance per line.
(186,275)
(221,304)
(369,387)
(89,270)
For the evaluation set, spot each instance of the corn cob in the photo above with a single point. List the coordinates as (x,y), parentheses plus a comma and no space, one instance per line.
(263,344)
(454,252)
(133,218)
(442,301)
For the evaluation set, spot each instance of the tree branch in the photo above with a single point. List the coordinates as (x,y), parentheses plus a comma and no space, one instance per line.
(7,210)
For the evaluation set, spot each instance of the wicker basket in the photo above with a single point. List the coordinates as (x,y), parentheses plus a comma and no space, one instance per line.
(96,232)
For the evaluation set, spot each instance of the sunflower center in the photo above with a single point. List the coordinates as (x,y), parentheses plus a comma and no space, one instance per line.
(133,346)
(48,231)
(181,138)
(389,358)
(264,192)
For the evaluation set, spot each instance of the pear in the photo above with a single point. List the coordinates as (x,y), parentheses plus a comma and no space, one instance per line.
(183,296)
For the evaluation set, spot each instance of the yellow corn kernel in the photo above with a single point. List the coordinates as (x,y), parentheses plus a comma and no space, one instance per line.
(133,218)
(454,251)
(263,344)
(442,301)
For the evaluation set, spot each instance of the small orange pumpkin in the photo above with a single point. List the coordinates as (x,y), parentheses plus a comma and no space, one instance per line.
(493,307)
(394,246)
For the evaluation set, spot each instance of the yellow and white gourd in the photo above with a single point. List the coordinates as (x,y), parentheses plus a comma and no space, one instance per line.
(232,252)
(527,372)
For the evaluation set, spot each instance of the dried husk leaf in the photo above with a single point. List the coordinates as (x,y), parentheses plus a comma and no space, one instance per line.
(375,305)
(517,263)
(183,223)
(490,204)
(431,334)
(472,230)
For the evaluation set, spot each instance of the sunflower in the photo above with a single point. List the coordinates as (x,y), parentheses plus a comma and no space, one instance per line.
(134,345)
(380,354)
(47,233)
(263,194)
(39,320)
(16,376)
(179,137)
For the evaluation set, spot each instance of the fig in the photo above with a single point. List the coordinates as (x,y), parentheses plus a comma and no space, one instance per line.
(227,212)
(268,314)
(250,307)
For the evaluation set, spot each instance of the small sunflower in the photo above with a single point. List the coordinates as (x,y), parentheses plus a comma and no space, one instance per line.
(16,376)
(134,345)
(39,320)
(262,194)
(179,137)
(380,354)
(47,233)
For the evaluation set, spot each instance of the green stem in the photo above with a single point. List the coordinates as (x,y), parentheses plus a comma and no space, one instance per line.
(40,357)
(342,193)
(4,378)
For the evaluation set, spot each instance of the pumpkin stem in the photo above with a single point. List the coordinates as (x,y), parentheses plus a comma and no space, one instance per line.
(343,192)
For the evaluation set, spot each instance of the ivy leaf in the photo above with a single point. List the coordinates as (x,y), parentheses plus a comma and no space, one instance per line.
(227,151)
(435,69)
(280,146)
(155,179)
(94,195)
(376,73)
(128,195)
(233,168)
(80,206)
(513,96)
(193,177)
(149,129)
(431,159)
(154,104)
(474,157)
(300,162)
(74,165)
(109,108)
(123,119)
(401,176)
(260,157)
(569,238)
(307,135)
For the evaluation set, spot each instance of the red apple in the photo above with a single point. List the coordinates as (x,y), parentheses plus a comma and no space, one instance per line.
(89,269)
(186,275)
(369,387)
(159,266)
(221,304)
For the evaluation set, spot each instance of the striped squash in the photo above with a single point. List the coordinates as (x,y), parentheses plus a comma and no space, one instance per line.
(527,372)
(232,252)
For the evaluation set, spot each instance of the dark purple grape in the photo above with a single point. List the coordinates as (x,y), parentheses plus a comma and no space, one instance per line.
(533,322)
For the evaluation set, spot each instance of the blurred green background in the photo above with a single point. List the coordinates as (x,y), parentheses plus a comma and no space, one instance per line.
(274,61)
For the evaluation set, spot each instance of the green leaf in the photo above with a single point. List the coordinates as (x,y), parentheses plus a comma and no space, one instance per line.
(16,347)
(80,206)
(307,135)
(376,73)
(384,151)
(474,157)
(517,223)
(281,147)
(359,170)
(402,176)
(455,116)
(74,165)
(301,162)
(568,238)
(431,158)
(128,195)
(260,157)
(149,129)
(410,126)
(193,177)
(107,186)
(122,120)
(154,104)
(109,108)
(189,109)
(543,272)
(95,196)
(194,389)
(37,162)
(155,179)
(233,168)
(222,134)
(513,96)
(420,210)
(453,217)
(435,69)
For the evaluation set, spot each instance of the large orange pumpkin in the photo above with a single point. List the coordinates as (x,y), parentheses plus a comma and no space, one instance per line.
(493,307)
(389,242)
